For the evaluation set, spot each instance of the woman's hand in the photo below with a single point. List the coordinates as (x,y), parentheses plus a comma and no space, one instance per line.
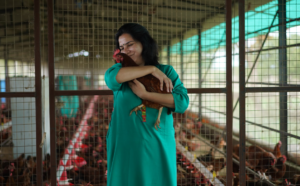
(138,88)
(163,79)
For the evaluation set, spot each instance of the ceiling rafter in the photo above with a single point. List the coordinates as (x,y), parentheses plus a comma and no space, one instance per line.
(195,9)
(203,4)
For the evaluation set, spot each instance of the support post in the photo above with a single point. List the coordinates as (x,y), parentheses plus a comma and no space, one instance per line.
(199,73)
(7,87)
(242,94)
(168,53)
(229,113)
(51,91)
(38,92)
(181,59)
(283,115)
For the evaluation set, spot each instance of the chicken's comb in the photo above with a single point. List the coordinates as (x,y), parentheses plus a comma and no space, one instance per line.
(117,51)
(284,157)
(273,162)
(286,181)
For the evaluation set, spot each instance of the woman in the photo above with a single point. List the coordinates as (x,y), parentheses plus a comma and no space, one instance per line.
(137,153)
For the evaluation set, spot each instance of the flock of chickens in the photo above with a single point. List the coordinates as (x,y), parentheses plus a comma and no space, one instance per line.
(5,117)
(268,165)
(89,163)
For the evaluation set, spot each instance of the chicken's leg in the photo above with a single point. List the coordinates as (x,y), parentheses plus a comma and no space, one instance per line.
(158,118)
(136,109)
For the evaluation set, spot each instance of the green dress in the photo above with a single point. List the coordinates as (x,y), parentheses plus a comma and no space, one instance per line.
(137,153)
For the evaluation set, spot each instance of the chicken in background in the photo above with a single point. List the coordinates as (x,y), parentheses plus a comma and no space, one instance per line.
(151,83)
(218,164)
(279,170)
(286,183)
(277,151)
(236,179)
(91,174)
(46,168)
(260,159)
(19,164)
(24,179)
(296,180)
(10,181)
(219,142)
(236,149)
(236,167)
(207,157)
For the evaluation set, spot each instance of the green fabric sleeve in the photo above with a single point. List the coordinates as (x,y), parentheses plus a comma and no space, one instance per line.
(110,77)
(181,98)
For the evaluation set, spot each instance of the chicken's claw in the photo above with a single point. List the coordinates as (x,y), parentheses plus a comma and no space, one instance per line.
(157,124)
(158,118)
(136,109)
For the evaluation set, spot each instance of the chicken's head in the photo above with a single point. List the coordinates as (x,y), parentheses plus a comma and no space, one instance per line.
(273,162)
(283,158)
(116,56)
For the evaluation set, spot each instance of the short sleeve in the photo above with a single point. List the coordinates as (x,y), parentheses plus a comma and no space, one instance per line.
(110,77)
(181,98)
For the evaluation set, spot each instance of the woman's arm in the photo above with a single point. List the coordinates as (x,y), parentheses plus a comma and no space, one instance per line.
(178,101)
(139,89)
(166,100)
(130,73)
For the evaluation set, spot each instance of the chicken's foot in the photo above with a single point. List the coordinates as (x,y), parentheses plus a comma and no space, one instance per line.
(158,118)
(262,176)
(136,109)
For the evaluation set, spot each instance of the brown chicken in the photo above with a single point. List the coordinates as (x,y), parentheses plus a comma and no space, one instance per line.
(236,149)
(24,179)
(236,179)
(18,164)
(278,171)
(91,174)
(236,167)
(219,142)
(207,157)
(296,179)
(277,151)
(218,164)
(260,159)
(151,83)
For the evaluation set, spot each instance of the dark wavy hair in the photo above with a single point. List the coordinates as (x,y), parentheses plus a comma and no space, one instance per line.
(141,34)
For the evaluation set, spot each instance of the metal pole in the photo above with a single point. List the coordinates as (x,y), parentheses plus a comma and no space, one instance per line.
(283,115)
(7,87)
(181,59)
(242,93)
(51,92)
(38,92)
(199,72)
(168,53)
(229,112)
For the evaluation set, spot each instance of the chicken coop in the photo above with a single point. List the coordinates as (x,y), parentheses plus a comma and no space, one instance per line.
(238,59)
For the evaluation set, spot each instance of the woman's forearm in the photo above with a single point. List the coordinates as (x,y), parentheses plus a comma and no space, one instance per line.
(166,100)
(130,73)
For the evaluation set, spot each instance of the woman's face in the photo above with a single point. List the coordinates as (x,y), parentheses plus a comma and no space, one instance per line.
(132,48)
